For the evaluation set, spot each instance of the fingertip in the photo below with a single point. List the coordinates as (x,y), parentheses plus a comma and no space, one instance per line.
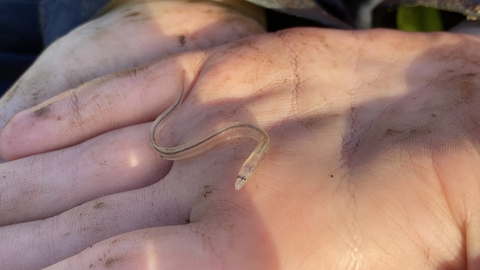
(18,138)
(5,140)
(9,149)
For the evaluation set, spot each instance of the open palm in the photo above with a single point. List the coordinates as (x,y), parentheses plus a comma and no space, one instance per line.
(373,162)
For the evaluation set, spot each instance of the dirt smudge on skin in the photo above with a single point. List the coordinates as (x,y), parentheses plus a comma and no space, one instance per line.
(42,110)
(392,131)
(111,261)
(466,86)
(461,87)
(99,205)
(133,14)
(413,133)
(182,40)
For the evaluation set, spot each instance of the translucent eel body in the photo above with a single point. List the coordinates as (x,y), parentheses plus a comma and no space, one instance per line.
(217,136)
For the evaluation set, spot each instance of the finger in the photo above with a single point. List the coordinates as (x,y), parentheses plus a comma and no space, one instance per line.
(223,236)
(132,97)
(128,37)
(168,202)
(173,247)
(105,104)
(44,185)
(48,241)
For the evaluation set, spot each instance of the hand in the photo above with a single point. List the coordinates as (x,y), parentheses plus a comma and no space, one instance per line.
(130,35)
(373,161)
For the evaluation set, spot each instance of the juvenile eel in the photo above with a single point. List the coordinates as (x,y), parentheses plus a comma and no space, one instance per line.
(211,139)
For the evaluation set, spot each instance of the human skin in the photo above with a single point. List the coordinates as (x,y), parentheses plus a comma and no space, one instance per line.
(373,162)
(129,35)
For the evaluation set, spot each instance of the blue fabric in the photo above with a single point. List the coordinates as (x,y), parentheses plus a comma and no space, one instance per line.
(20,26)
(20,39)
(61,16)
(28,26)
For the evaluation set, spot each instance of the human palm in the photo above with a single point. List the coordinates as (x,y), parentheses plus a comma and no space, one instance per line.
(373,162)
